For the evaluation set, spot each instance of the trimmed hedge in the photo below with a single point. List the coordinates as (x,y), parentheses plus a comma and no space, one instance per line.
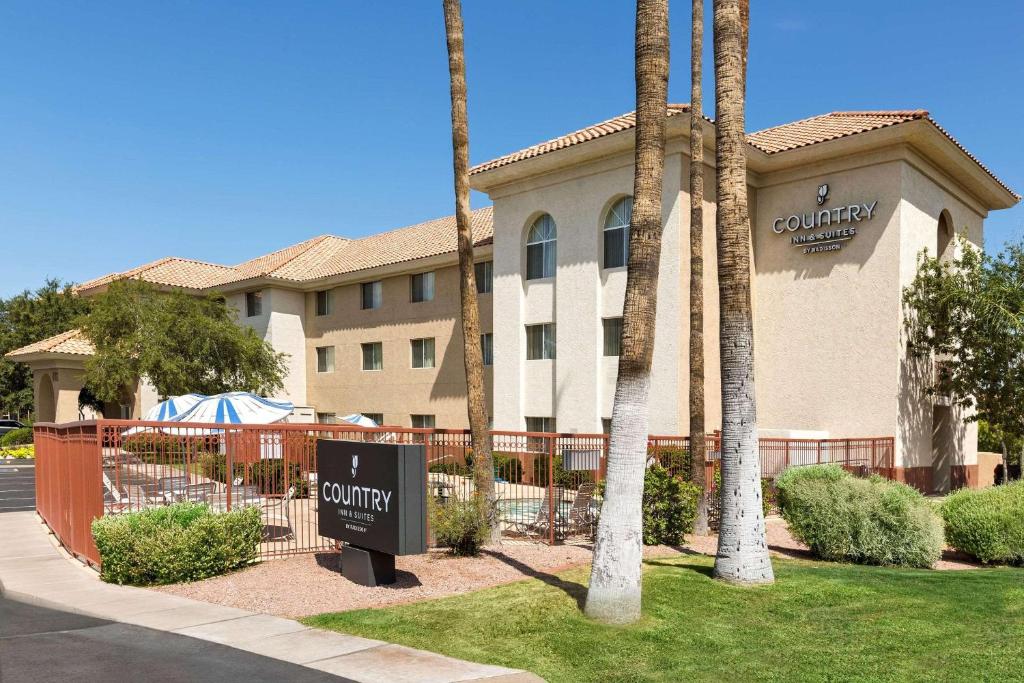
(22,436)
(180,542)
(867,521)
(268,475)
(987,523)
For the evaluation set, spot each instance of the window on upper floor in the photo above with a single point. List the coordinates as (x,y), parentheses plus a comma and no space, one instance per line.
(253,304)
(325,359)
(376,417)
(487,347)
(422,287)
(327,418)
(612,336)
(373,356)
(422,353)
(323,302)
(370,295)
(616,233)
(540,341)
(484,277)
(541,249)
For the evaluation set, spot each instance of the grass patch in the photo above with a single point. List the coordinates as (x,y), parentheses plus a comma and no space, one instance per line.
(818,622)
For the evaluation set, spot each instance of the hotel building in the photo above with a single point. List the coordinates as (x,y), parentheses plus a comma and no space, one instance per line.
(841,206)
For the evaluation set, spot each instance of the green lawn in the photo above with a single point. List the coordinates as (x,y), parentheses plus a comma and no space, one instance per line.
(818,622)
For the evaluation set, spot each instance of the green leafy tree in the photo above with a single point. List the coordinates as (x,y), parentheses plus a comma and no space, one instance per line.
(26,318)
(967,312)
(181,342)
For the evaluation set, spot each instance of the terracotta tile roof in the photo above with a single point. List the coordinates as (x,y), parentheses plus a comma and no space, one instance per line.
(837,124)
(618,124)
(72,341)
(171,271)
(840,124)
(315,258)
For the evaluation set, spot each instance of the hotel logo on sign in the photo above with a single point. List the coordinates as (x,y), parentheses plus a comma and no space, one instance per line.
(824,230)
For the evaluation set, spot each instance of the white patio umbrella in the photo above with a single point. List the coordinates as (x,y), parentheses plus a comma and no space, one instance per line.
(359,420)
(166,410)
(236,407)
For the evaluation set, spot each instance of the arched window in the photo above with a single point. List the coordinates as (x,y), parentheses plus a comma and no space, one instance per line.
(944,238)
(616,233)
(541,248)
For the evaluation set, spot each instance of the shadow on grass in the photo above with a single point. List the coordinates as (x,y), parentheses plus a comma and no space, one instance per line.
(576,591)
(706,570)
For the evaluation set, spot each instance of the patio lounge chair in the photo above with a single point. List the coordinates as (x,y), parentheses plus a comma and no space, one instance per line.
(196,493)
(581,518)
(276,511)
(540,525)
(171,486)
(139,498)
(241,496)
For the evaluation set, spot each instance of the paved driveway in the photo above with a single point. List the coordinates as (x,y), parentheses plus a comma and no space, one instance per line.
(17,485)
(45,645)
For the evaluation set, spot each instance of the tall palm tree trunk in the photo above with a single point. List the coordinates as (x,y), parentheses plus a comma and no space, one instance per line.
(698,438)
(483,464)
(742,548)
(615,580)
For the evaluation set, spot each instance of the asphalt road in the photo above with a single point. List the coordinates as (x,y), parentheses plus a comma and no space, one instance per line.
(17,486)
(45,645)
(42,644)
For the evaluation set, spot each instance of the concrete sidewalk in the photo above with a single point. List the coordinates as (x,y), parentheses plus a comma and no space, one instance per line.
(33,569)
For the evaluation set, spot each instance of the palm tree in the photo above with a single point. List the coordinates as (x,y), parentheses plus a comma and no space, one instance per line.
(483,464)
(698,440)
(742,549)
(614,593)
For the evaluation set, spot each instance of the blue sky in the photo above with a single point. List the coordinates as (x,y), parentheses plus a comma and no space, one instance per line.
(222,130)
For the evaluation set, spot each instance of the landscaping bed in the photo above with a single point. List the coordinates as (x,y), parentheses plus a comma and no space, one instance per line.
(309,584)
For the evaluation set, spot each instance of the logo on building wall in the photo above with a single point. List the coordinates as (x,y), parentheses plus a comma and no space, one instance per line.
(824,230)
(822,194)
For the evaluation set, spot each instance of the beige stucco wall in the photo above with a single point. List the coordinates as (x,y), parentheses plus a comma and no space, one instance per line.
(399,390)
(282,324)
(577,387)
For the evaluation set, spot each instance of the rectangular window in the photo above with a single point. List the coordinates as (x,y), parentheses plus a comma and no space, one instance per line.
(540,341)
(325,359)
(484,277)
(422,421)
(616,247)
(487,347)
(423,353)
(323,303)
(126,411)
(327,418)
(540,424)
(612,336)
(422,285)
(371,295)
(253,304)
(373,356)
(376,417)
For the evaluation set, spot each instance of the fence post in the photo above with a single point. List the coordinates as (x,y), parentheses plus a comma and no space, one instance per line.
(819,451)
(551,489)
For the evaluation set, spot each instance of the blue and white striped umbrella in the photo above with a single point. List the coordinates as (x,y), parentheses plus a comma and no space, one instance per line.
(166,410)
(359,420)
(236,407)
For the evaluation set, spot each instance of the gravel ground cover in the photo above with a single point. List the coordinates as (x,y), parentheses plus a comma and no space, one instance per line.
(311,584)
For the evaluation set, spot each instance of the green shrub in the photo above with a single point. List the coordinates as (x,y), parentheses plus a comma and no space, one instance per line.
(508,467)
(988,523)
(675,459)
(269,476)
(868,521)
(562,477)
(452,468)
(669,507)
(180,542)
(18,452)
(459,525)
(215,466)
(17,437)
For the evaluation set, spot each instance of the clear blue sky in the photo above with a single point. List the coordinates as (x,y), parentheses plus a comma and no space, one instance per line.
(223,130)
